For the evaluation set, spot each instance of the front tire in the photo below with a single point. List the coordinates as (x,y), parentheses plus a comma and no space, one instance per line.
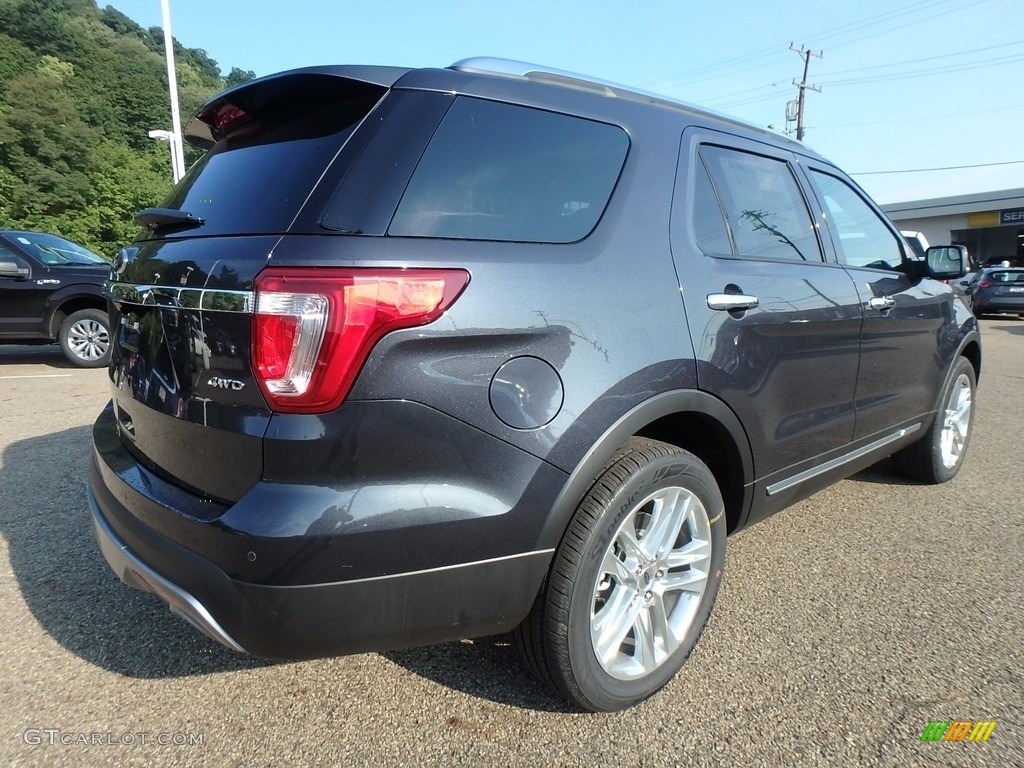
(85,338)
(633,581)
(939,454)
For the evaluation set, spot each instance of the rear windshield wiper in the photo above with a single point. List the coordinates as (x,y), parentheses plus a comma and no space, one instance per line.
(156,219)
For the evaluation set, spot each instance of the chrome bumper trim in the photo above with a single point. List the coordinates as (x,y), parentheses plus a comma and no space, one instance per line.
(137,574)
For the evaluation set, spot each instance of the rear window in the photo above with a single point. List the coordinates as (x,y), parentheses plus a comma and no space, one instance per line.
(1007,277)
(502,172)
(256,178)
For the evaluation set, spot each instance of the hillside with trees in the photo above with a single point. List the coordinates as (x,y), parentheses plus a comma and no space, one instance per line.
(80,89)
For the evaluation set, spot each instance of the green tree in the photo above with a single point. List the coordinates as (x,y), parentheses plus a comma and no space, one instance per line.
(238,76)
(45,145)
(80,88)
(15,58)
(121,182)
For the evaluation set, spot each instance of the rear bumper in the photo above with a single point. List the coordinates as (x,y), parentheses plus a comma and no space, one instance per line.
(136,573)
(471,589)
(1010,304)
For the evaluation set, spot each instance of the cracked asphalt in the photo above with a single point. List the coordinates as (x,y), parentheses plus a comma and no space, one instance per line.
(844,626)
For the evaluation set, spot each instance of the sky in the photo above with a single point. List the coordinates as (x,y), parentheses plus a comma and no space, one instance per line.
(905,85)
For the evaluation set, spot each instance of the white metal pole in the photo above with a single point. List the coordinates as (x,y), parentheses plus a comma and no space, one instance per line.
(177,153)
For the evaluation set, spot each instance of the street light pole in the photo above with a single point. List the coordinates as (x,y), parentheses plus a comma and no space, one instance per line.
(177,152)
(167,136)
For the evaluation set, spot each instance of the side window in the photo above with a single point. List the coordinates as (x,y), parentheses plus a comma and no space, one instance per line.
(863,239)
(501,172)
(764,209)
(709,225)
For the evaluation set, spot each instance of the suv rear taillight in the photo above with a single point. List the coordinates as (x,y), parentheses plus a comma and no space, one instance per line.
(314,328)
(984,284)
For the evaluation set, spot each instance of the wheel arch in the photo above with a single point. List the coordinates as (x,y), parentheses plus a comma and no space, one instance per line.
(969,348)
(972,351)
(65,306)
(689,419)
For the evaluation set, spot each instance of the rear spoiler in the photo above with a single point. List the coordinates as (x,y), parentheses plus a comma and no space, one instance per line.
(275,93)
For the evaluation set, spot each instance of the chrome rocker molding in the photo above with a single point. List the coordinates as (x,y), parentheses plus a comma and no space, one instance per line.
(135,573)
(828,466)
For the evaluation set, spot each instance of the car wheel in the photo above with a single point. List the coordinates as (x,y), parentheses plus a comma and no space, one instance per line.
(85,338)
(938,455)
(633,580)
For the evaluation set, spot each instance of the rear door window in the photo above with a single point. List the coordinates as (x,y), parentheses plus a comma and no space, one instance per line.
(765,215)
(503,172)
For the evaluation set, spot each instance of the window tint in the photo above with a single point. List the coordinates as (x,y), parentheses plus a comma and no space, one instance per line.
(764,209)
(255,179)
(501,172)
(1007,277)
(708,220)
(863,238)
(6,254)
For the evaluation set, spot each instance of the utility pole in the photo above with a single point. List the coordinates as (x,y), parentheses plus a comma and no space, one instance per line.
(802,86)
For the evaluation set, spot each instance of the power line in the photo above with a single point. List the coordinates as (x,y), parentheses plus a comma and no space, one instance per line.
(964,114)
(944,168)
(982,64)
(879,78)
(921,61)
(908,24)
(772,52)
(964,67)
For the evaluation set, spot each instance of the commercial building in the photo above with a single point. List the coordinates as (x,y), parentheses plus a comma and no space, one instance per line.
(990,224)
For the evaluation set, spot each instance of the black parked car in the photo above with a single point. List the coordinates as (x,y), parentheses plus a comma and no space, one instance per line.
(998,290)
(417,355)
(51,291)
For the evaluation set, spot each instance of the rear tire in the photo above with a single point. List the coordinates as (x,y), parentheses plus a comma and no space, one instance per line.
(939,454)
(85,338)
(633,582)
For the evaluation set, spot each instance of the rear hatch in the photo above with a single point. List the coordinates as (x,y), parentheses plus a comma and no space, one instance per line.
(1003,284)
(186,400)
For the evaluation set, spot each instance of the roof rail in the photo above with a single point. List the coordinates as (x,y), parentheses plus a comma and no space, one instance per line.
(510,68)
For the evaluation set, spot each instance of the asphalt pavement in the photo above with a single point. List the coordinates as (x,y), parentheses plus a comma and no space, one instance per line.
(845,626)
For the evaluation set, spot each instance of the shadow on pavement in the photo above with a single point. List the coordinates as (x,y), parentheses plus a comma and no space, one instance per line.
(486,668)
(882,473)
(66,583)
(69,589)
(48,355)
(1002,325)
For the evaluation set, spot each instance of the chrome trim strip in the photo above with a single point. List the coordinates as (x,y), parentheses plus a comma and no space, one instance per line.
(807,474)
(135,573)
(213,299)
(410,573)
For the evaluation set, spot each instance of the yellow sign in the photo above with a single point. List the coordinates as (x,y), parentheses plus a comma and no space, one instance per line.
(984,219)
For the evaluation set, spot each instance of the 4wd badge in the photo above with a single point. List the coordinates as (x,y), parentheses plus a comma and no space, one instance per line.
(233,384)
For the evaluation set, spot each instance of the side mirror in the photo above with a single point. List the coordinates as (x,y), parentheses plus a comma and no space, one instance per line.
(11,269)
(946,262)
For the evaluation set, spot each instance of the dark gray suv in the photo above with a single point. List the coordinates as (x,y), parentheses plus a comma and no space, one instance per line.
(417,355)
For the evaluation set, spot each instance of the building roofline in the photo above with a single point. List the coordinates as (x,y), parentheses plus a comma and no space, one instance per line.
(969,203)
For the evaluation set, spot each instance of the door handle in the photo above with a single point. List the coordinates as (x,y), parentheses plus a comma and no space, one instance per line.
(881,303)
(731,301)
